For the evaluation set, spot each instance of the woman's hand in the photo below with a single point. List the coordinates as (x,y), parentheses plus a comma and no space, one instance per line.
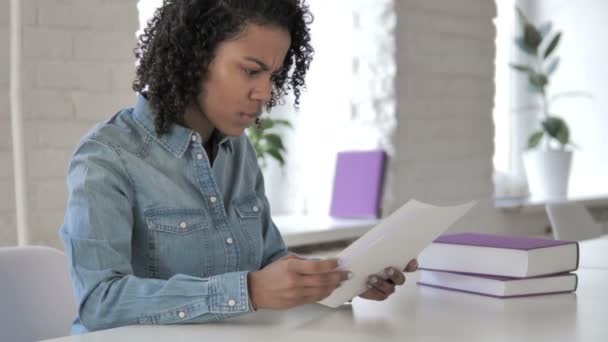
(380,289)
(292,281)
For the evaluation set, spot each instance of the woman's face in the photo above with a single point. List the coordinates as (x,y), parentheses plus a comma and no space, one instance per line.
(239,78)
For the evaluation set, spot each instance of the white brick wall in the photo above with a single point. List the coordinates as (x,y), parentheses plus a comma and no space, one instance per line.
(78,69)
(444,134)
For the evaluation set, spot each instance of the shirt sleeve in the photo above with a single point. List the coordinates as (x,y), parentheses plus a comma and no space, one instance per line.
(274,246)
(97,234)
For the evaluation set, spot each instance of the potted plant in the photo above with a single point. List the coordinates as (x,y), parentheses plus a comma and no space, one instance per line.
(548,160)
(267,142)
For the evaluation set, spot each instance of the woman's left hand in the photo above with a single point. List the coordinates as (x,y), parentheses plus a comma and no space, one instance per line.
(380,289)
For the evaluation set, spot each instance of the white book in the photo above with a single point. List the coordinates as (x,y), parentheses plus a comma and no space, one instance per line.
(395,241)
(496,286)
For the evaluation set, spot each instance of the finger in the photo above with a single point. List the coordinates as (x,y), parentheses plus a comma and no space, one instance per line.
(373,294)
(411,266)
(333,278)
(313,266)
(395,275)
(381,284)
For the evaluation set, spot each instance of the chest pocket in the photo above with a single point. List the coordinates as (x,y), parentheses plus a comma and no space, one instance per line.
(177,242)
(249,213)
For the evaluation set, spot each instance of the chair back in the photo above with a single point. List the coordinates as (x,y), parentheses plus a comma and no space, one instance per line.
(36,295)
(572,221)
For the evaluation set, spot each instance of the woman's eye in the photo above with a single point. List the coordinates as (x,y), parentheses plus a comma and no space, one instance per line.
(251,72)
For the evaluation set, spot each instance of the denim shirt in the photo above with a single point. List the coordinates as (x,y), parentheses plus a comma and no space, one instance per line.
(156,235)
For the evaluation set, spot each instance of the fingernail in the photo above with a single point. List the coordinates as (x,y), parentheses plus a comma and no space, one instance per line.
(350,275)
(340,262)
(373,280)
(390,272)
(369,286)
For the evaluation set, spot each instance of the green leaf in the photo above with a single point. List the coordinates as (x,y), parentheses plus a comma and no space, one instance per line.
(557,129)
(276,155)
(532,37)
(267,124)
(563,135)
(535,139)
(283,123)
(539,81)
(519,42)
(553,44)
(553,65)
(521,67)
(274,141)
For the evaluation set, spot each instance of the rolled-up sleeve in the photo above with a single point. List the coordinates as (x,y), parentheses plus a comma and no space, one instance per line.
(97,234)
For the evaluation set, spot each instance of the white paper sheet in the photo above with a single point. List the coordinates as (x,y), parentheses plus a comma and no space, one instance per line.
(395,241)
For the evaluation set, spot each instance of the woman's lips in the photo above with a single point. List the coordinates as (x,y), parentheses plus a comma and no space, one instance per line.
(247,118)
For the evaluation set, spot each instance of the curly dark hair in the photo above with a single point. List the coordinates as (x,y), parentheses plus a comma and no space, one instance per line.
(179,42)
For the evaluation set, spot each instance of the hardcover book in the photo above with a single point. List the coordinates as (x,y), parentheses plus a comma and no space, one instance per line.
(502,287)
(508,256)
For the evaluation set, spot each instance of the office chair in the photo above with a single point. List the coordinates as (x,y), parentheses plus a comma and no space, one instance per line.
(35,294)
(572,221)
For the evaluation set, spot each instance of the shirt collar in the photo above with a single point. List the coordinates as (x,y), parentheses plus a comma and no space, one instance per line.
(178,138)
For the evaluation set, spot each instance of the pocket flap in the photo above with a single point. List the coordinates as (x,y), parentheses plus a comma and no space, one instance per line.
(176,220)
(248,206)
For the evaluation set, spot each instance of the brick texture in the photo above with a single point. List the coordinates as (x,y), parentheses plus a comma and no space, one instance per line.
(77,69)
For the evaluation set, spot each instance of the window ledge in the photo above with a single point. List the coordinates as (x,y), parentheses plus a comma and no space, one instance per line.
(307,230)
(532,205)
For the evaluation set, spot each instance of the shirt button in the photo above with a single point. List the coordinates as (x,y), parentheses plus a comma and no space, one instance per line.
(231,302)
(183,225)
(212,199)
(181,314)
(229,241)
(199,156)
(255,208)
(193,137)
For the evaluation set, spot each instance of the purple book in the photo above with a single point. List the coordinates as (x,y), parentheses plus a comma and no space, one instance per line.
(358,184)
(501,287)
(510,256)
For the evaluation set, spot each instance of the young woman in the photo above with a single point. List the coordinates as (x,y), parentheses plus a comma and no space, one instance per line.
(167,220)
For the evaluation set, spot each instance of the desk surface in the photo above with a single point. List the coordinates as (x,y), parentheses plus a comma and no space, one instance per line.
(415,313)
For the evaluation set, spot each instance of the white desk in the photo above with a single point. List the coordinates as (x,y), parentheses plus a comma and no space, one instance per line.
(415,313)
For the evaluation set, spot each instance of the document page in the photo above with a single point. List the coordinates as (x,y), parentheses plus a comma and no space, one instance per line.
(395,241)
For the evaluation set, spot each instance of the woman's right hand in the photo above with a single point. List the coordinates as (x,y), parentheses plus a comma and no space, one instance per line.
(292,281)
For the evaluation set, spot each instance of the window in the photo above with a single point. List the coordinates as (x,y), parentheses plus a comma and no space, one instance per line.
(580,69)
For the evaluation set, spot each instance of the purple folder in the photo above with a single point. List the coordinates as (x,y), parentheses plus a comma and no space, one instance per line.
(358,184)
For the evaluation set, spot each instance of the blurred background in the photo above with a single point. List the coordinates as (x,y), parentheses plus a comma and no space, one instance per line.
(426,81)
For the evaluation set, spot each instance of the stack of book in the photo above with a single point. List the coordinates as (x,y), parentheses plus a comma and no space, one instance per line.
(499,266)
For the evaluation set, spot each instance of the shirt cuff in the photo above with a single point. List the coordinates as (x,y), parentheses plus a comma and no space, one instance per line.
(228,293)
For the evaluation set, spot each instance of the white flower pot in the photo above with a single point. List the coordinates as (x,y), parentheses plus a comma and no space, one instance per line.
(548,173)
